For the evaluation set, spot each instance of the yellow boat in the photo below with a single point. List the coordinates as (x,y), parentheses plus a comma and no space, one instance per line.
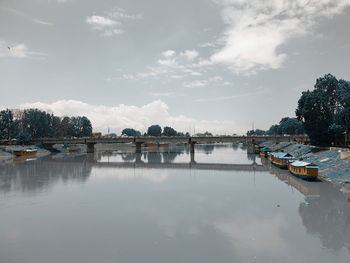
(303,170)
(26,152)
(281,159)
(265,151)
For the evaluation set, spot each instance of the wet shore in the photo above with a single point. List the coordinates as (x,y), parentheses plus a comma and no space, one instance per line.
(334,163)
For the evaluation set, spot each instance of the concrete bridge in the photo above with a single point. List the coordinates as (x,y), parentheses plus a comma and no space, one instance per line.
(90,142)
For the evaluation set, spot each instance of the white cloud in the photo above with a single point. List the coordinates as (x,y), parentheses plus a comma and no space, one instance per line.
(122,116)
(100,22)
(109,26)
(203,82)
(38,21)
(111,23)
(176,65)
(190,54)
(256,29)
(129,77)
(120,14)
(163,94)
(207,44)
(168,53)
(19,51)
(196,84)
(22,14)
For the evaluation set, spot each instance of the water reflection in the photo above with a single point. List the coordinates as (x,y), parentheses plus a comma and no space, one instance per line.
(167,215)
(35,175)
(204,153)
(40,174)
(325,212)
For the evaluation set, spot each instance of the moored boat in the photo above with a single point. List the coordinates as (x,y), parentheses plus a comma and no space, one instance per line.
(264,151)
(25,152)
(304,170)
(256,149)
(281,159)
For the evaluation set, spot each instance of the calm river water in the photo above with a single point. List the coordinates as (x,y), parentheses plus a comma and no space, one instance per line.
(104,208)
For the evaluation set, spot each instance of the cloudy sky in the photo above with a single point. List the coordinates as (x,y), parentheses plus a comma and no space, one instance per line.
(197,65)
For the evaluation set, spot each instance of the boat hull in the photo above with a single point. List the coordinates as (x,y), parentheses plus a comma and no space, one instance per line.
(25,153)
(305,177)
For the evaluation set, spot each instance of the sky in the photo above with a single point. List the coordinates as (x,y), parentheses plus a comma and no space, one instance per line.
(217,65)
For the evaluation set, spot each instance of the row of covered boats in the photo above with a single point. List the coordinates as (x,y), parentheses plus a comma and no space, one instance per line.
(299,168)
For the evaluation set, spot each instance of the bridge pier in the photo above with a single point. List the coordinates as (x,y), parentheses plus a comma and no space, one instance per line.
(192,157)
(192,147)
(138,158)
(90,147)
(138,147)
(192,152)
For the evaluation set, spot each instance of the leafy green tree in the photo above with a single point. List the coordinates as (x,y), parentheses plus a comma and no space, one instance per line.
(274,130)
(86,127)
(168,131)
(7,124)
(154,130)
(291,126)
(343,118)
(319,109)
(336,131)
(23,138)
(79,127)
(256,132)
(208,133)
(64,127)
(36,123)
(131,132)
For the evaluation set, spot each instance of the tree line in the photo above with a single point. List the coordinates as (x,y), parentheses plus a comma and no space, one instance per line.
(290,126)
(322,113)
(154,130)
(24,125)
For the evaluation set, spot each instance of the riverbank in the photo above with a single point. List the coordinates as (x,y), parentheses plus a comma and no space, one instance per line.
(334,165)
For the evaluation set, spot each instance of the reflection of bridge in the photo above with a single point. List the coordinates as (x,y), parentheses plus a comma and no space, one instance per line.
(138,141)
(138,163)
(197,166)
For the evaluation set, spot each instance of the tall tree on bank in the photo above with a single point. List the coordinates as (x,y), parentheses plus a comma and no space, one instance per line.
(168,131)
(24,125)
(131,132)
(7,124)
(154,130)
(325,110)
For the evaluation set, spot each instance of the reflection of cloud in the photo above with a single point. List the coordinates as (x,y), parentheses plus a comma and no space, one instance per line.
(256,236)
(327,216)
(130,174)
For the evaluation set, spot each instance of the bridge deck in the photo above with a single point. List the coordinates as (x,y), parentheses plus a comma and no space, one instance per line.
(209,139)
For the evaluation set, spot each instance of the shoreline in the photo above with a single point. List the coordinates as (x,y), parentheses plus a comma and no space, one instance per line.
(334,165)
